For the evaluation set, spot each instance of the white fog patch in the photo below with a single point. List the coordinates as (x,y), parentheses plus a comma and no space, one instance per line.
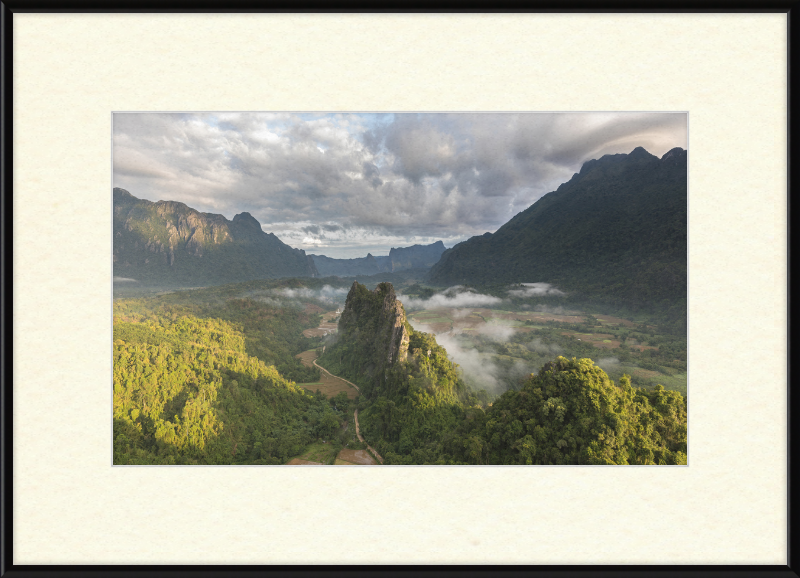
(607,363)
(477,370)
(124,280)
(539,346)
(500,333)
(523,369)
(534,290)
(327,294)
(460,313)
(455,297)
(268,301)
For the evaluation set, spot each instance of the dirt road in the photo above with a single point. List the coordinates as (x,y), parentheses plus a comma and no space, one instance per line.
(335,376)
(361,439)
(328,384)
(311,356)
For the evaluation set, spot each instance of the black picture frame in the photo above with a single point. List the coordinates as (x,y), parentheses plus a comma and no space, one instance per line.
(7,565)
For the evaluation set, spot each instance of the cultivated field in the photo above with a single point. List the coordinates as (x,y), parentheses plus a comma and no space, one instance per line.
(354,458)
(328,384)
(317,454)
(327,326)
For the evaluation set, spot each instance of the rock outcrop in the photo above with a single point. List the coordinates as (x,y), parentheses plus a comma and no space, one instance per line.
(373,335)
(378,318)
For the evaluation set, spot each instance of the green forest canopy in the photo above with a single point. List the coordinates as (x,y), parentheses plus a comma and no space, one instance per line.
(209,377)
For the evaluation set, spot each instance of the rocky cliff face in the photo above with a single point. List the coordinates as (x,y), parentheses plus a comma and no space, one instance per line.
(373,335)
(170,243)
(379,318)
(376,348)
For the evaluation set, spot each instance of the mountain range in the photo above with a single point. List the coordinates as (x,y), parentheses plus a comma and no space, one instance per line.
(615,231)
(399,259)
(167,243)
(170,243)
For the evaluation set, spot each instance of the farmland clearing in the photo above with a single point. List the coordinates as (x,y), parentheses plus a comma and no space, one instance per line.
(327,327)
(329,385)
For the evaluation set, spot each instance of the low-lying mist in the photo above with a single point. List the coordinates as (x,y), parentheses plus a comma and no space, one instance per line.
(459,296)
(478,368)
(327,296)
(539,346)
(534,290)
(479,349)
(452,298)
(608,364)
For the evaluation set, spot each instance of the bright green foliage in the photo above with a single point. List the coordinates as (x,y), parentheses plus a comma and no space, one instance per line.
(572,413)
(419,408)
(413,405)
(200,377)
(272,333)
(187,390)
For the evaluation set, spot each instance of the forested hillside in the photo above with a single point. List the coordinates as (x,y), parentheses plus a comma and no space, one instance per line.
(167,243)
(205,377)
(416,409)
(572,413)
(614,234)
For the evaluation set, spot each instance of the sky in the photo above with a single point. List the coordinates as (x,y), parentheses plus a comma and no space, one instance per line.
(345,184)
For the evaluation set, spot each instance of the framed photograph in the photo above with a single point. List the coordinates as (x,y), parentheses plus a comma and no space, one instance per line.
(470,250)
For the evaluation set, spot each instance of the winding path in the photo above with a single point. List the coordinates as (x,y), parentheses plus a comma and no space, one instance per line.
(336,376)
(355,414)
(361,439)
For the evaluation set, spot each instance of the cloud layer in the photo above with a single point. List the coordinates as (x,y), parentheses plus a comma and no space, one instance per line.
(345,184)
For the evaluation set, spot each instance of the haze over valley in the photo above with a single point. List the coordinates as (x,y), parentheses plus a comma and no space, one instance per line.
(400,289)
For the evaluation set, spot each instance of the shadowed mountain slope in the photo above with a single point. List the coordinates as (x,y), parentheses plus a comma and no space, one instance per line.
(615,231)
(170,243)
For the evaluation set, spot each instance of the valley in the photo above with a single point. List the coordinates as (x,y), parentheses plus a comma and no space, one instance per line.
(558,339)
(521,341)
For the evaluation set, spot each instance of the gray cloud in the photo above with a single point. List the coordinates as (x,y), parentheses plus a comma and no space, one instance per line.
(371,180)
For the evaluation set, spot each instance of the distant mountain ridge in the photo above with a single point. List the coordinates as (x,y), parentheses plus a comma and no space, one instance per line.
(168,242)
(416,256)
(369,265)
(399,259)
(615,230)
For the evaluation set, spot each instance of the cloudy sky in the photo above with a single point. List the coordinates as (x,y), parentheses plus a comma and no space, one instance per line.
(343,185)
